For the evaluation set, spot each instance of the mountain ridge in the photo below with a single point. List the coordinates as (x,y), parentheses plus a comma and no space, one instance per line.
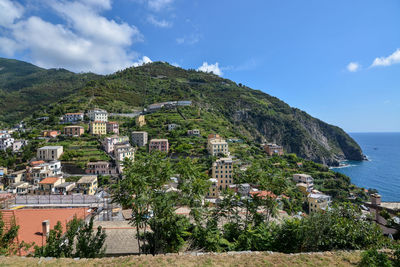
(252,113)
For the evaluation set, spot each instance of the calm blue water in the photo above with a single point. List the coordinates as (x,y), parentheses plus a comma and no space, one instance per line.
(382,172)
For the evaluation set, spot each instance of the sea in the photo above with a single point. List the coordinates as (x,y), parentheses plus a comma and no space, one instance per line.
(382,170)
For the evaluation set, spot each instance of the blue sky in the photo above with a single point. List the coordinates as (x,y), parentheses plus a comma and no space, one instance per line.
(337,60)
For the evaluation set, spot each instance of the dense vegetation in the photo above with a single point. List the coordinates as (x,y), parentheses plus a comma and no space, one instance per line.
(251,113)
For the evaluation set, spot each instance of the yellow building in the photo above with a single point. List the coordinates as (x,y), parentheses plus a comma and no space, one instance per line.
(98,128)
(317,202)
(87,185)
(222,171)
(217,146)
(213,191)
(140,121)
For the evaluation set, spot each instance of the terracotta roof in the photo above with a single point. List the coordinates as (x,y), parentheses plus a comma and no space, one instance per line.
(263,194)
(38,162)
(30,221)
(78,113)
(49,180)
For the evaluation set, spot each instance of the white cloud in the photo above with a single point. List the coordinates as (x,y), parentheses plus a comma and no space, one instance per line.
(158,23)
(142,61)
(353,66)
(85,41)
(9,12)
(158,5)
(190,40)
(387,61)
(175,65)
(214,68)
(8,46)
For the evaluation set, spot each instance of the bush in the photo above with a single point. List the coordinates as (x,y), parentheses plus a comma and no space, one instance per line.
(374,258)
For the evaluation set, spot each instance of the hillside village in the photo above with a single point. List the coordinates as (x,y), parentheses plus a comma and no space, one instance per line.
(79,157)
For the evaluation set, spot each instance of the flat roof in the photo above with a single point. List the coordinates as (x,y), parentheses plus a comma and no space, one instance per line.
(159,140)
(51,147)
(87,179)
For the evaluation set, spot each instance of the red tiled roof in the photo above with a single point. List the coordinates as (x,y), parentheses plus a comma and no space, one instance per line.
(263,194)
(49,180)
(38,162)
(30,222)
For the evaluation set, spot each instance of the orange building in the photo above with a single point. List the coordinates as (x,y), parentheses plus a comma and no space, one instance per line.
(51,133)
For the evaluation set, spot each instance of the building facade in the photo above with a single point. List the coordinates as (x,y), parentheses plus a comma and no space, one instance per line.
(159,144)
(73,117)
(100,167)
(110,142)
(140,121)
(124,151)
(113,127)
(98,115)
(87,185)
(222,171)
(98,128)
(317,202)
(74,130)
(49,153)
(273,149)
(139,138)
(217,146)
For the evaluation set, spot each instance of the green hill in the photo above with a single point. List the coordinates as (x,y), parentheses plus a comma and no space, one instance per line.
(220,105)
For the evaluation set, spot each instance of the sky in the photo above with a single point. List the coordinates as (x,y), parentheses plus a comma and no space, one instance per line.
(337,60)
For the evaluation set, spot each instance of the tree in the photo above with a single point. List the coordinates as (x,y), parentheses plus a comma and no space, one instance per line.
(8,236)
(79,240)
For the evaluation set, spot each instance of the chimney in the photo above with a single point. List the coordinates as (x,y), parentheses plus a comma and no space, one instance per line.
(45,227)
(376,199)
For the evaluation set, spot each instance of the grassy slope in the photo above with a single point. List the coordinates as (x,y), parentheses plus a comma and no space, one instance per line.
(253,259)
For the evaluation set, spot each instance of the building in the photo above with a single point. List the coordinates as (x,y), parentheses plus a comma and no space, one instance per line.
(98,128)
(64,188)
(213,192)
(273,149)
(47,185)
(51,133)
(98,115)
(73,117)
(110,142)
(139,138)
(74,130)
(13,177)
(18,145)
(3,171)
(30,222)
(87,185)
(6,141)
(222,170)
(194,132)
(317,202)
(217,146)
(140,121)
(304,179)
(172,126)
(263,194)
(159,144)
(49,153)
(112,127)
(124,151)
(100,167)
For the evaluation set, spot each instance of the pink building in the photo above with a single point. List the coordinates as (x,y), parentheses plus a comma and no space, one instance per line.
(159,144)
(113,127)
(110,142)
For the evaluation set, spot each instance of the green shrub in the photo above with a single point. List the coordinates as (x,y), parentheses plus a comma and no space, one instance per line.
(374,258)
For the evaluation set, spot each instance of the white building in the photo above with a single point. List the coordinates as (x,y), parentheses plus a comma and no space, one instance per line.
(172,126)
(304,179)
(18,145)
(6,141)
(98,115)
(73,117)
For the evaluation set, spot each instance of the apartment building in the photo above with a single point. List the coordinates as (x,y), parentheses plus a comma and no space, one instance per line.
(6,141)
(49,153)
(87,185)
(73,117)
(217,146)
(98,128)
(100,167)
(139,138)
(273,149)
(317,202)
(110,142)
(112,127)
(98,115)
(159,144)
(123,151)
(213,191)
(305,179)
(74,130)
(222,170)
(47,185)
